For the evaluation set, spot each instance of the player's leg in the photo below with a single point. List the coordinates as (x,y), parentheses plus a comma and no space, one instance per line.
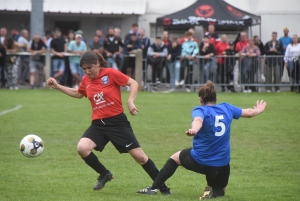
(217,180)
(94,139)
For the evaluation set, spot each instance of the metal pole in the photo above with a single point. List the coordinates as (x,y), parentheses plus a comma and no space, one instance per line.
(37,18)
(47,64)
(139,68)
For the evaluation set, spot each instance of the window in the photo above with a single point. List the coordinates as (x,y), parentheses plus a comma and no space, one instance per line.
(153,30)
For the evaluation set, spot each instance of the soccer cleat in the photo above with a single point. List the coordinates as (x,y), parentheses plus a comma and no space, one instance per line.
(208,192)
(102,179)
(148,191)
(165,191)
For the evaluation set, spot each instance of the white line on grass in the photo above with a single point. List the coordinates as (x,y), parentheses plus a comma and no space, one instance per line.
(11,110)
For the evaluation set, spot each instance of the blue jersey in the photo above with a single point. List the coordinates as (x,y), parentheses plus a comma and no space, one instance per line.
(285,41)
(211,145)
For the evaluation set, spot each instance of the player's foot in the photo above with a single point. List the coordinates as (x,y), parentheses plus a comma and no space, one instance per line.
(148,191)
(102,179)
(207,193)
(165,191)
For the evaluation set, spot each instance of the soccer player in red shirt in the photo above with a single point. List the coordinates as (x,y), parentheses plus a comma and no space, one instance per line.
(101,86)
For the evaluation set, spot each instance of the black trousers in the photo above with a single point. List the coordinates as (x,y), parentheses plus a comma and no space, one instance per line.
(190,70)
(156,64)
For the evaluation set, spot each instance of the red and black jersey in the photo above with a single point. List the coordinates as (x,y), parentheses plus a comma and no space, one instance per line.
(104,92)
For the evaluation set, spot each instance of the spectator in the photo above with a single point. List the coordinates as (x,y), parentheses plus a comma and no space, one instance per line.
(290,58)
(261,61)
(77,47)
(113,47)
(15,34)
(208,51)
(212,36)
(285,39)
(145,45)
(48,38)
(166,39)
(174,51)
(134,30)
(249,60)
(2,64)
(99,33)
(188,53)
(222,68)
(131,46)
(12,62)
(230,58)
(183,39)
(273,48)
(243,42)
(156,53)
(24,60)
(58,48)
(37,62)
(3,34)
(117,32)
(71,37)
(96,46)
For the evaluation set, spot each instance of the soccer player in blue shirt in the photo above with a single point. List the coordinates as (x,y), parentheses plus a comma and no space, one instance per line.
(210,154)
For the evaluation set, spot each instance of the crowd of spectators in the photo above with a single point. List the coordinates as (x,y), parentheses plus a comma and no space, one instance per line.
(218,59)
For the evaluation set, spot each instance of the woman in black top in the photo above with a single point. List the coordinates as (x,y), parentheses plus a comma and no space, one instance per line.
(208,51)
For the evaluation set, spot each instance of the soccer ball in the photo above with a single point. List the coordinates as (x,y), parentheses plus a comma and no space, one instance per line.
(31,146)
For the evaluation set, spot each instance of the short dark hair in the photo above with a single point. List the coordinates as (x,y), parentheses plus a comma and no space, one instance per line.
(48,32)
(174,39)
(256,36)
(274,32)
(135,25)
(158,37)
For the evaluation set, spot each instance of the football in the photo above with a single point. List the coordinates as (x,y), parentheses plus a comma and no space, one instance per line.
(32,146)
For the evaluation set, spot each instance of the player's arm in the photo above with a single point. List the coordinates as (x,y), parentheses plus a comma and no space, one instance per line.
(132,95)
(66,90)
(196,126)
(256,110)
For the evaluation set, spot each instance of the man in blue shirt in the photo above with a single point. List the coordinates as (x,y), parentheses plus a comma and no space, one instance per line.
(78,47)
(210,154)
(285,40)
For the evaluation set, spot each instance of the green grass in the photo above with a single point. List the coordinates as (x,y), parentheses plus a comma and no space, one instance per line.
(265,150)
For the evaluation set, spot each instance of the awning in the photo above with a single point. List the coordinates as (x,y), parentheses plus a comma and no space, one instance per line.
(126,7)
(204,12)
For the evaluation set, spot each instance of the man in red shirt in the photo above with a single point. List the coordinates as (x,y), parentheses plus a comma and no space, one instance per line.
(242,43)
(184,39)
(166,39)
(220,49)
(102,87)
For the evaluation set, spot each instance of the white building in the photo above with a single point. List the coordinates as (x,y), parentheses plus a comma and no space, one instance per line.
(88,15)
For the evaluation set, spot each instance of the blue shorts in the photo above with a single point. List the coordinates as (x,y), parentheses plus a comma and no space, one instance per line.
(75,68)
(58,65)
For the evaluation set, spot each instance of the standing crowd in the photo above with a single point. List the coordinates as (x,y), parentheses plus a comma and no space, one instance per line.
(216,58)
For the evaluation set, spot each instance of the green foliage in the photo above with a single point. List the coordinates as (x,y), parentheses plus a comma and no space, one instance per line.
(265,150)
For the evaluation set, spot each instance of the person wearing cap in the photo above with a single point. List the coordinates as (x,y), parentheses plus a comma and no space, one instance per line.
(77,47)
(285,40)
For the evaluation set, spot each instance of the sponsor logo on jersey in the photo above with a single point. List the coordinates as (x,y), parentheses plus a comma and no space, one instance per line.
(98,98)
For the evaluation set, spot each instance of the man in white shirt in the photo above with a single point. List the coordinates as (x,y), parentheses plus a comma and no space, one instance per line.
(24,60)
(3,34)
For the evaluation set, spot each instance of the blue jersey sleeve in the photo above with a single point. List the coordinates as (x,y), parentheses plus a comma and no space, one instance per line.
(236,112)
(198,112)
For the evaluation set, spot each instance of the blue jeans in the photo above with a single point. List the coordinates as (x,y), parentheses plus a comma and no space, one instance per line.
(75,68)
(58,65)
(174,68)
(291,68)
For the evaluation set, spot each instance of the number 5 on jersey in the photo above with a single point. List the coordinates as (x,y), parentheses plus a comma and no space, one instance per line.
(218,123)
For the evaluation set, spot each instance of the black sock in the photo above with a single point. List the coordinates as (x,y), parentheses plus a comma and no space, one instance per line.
(217,192)
(94,163)
(165,173)
(152,171)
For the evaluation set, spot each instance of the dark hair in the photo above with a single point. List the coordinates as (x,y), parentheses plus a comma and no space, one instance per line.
(91,57)
(158,37)
(274,32)
(256,36)
(48,32)
(208,93)
(9,43)
(175,39)
(134,25)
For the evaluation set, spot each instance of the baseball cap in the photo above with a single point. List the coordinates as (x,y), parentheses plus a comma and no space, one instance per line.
(231,43)
(79,32)
(78,36)
(285,28)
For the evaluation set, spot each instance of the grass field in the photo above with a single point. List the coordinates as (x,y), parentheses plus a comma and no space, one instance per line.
(265,154)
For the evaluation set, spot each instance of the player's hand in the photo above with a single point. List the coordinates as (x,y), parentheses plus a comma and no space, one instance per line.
(260,106)
(191,132)
(132,109)
(52,83)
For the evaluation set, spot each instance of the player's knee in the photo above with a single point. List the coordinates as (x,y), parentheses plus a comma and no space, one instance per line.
(82,150)
(141,159)
(175,157)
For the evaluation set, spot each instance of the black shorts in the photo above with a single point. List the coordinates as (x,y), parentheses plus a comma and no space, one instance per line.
(116,130)
(130,62)
(216,177)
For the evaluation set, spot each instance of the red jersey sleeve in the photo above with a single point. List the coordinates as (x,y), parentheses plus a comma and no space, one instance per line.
(119,78)
(81,88)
